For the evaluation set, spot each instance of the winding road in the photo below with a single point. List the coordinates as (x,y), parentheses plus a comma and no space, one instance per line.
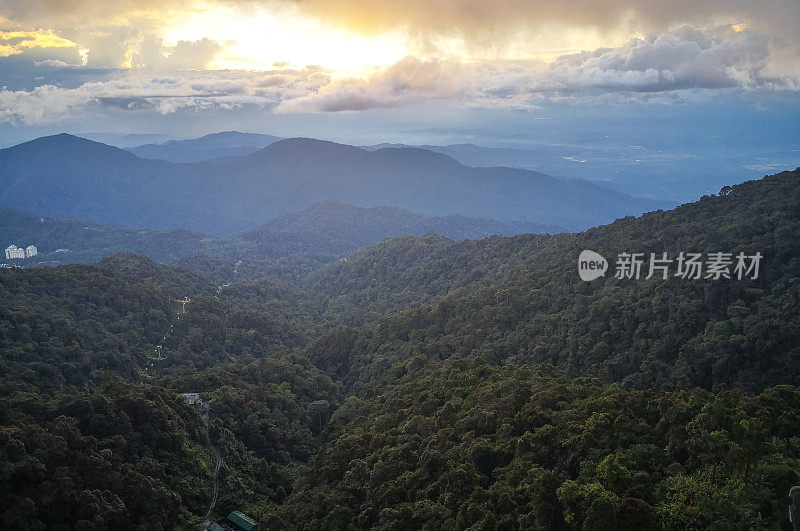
(217,466)
(218,461)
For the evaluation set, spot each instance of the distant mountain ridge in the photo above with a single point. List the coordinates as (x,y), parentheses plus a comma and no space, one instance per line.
(371,225)
(208,147)
(320,234)
(434,184)
(67,176)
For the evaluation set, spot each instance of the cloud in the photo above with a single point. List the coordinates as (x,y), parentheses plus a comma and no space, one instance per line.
(407,81)
(684,58)
(43,86)
(426,17)
(196,54)
(659,66)
(30,66)
(94,12)
(109,33)
(137,91)
(17,42)
(486,29)
(117,33)
(484,23)
(40,105)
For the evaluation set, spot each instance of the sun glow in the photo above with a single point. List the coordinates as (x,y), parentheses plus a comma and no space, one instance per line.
(263,39)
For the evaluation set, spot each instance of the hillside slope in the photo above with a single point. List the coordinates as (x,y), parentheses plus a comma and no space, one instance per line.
(646,332)
(93,431)
(449,428)
(65,240)
(293,244)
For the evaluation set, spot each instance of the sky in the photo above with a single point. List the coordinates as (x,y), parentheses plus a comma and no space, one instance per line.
(685,80)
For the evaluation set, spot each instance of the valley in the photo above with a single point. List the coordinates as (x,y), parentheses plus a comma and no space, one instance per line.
(421,381)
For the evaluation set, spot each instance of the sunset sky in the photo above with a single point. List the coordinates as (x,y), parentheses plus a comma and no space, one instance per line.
(395,70)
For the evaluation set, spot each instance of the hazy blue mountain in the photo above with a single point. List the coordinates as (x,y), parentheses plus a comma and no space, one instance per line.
(473,155)
(126,140)
(434,184)
(371,225)
(67,176)
(634,166)
(208,147)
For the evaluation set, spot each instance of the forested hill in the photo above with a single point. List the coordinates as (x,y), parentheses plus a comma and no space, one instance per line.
(422,383)
(439,436)
(288,246)
(411,271)
(65,240)
(646,333)
(61,327)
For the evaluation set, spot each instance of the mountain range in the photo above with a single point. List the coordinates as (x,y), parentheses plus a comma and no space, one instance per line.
(67,176)
(646,166)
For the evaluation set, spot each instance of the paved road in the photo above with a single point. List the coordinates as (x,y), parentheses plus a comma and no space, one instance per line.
(217,466)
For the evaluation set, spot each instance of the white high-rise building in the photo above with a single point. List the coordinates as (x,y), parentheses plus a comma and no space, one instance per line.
(13,252)
(18,253)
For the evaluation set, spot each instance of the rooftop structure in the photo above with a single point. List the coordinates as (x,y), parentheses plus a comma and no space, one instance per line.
(236,521)
(242,521)
(192,398)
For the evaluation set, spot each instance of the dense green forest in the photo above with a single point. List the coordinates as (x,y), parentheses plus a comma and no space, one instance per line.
(113,456)
(59,326)
(533,308)
(463,445)
(420,383)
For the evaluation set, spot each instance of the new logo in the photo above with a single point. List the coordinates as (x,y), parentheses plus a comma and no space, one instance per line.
(591,265)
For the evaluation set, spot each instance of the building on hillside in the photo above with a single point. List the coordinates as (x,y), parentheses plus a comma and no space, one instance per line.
(192,398)
(243,521)
(236,521)
(13,252)
(18,253)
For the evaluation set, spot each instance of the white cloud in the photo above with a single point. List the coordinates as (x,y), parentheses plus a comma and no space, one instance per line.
(664,66)
(679,59)
(407,81)
(136,90)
